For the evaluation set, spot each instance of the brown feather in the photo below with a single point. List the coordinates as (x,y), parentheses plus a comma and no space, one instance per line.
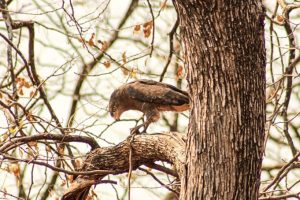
(149,97)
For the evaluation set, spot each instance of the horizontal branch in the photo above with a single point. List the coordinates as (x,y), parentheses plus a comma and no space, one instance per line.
(57,169)
(13,143)
(146,149)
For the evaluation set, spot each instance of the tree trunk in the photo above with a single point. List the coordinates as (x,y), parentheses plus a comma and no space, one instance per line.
(225,56)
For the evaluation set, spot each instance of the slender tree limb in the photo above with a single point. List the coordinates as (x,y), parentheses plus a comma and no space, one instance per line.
(8,23)
(57,169)
(86,69)
(153,27)
(282,171)
(162,169)
(289,70)
(32,71)
(13,143)
(159,181)
(36,81)
(281,197)
(171,36)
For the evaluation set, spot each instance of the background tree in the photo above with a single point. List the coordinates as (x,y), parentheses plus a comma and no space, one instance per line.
(60,61)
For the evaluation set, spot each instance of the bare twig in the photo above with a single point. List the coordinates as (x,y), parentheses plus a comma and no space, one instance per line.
(153,27)
(13,143)
(87,68)
(281,171)
(57,169)
(288,73)
(159,181)
(162,169)
(171,36)
(281,197)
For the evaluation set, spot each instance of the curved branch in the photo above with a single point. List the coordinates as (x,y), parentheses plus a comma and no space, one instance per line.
(288,71)
(57,169)
(167,147)
(46,136)
(16,49)
(171,36)
(153,27)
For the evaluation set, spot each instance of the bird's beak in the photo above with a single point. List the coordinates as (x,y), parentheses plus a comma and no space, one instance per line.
(111,114)
(117,118)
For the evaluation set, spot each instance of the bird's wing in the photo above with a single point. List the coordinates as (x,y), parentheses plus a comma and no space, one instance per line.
(157,93)
(150,82)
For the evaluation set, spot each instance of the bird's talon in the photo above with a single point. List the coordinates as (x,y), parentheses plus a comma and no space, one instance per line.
(148,97)
(143,132)
(134,131)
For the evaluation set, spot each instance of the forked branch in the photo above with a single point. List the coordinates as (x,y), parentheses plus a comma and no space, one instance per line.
(146,149)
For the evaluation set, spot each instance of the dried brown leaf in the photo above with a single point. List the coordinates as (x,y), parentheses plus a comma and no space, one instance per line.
(91,40)
(107,64)
(20,91)
(147,33)
(48,149)
(125,71)
(180,71)
(14,168)
(163,4)
(27,84)
(124,58)
(78,162)
(32,143)
(104,45)
(137,29)
(280,18)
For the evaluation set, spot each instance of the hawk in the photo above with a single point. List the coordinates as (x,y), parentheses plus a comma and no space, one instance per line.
(149,97)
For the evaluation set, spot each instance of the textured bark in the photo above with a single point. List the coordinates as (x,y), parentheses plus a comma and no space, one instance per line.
(146,149)
(224,48)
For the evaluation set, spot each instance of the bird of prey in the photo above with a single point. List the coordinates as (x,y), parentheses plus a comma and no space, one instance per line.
(149,97)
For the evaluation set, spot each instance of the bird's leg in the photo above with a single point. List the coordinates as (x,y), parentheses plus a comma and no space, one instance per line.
(146,124)
(151,116)
(135,130)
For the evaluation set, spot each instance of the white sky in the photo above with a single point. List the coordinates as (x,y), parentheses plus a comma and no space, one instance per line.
(106,84)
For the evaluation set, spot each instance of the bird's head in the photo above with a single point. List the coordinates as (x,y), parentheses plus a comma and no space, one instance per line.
(113,110)
(115,106)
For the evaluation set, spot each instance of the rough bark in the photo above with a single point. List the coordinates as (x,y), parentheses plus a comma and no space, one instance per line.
(225,55)
(224,49)
(146,149)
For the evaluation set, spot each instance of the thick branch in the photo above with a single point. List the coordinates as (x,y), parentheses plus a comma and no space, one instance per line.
(167,147)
